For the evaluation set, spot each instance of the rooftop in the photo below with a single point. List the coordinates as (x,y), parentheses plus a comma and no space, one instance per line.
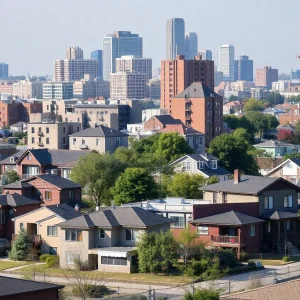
(100,131)
(166,119)
(197,90)
(273,143)
(15,200)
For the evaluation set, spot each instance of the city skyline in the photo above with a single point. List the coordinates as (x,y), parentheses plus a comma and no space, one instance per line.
(33,32)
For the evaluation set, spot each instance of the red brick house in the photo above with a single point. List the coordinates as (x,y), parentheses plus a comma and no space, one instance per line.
(14,205)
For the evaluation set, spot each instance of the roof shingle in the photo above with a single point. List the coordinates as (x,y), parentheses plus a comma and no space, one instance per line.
(100,131)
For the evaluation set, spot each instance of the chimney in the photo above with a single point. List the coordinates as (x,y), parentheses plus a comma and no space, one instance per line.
(237,176)
(77,208)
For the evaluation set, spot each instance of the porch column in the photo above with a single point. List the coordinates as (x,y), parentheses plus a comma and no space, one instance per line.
(278,239)
(239,241)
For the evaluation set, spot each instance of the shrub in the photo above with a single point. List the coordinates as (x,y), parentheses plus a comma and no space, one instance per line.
(52,260)
(251,264)
(203,294)
(197,267)
(228,259)
(136,297)
(43,257)
(285,259)
(244,256)
(91,290)
(20,247)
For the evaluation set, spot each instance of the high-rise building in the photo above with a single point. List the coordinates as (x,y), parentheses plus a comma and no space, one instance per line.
(97,55)
(3,71)
(175,39)
(132,64)
(126,85)
(178,74)
(117,45)
(153,89)
(243,69)
(26,89)
(201,108)
(206,54)
(58,90)
(74,53)
(226,62)
(191,45)
(295,74)
(264,77)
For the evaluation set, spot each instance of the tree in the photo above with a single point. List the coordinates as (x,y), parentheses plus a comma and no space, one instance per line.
(253,104)
(97,173)
(275,98)
(233,98)
(134,185)
(286,136)
(186,186)
(202,294)
(213,179)
(258,120)
(272,121)
(232,151)
(157,252)
(21,246)
(10,177)
(291,155)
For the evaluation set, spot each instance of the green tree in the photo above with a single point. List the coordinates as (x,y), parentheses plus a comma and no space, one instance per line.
(97,173)
(202,294)
(213,179)
(157,252)
(21,246)
(134,185)
(10,177)
(233,98)
(232,151)
(258,120)
(272,121)
(275,98)
(253,104)
(291,155)
(186,186)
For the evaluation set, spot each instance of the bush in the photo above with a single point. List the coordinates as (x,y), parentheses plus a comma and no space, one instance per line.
(203,294)
(52,260)
(92,290)
(197,267)
(244,256)
(285,259)
(43,257)
(228,259)
(251,264)
(21,246)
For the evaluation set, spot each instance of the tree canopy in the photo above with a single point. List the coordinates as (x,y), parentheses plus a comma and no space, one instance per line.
(253,104)
(275,98)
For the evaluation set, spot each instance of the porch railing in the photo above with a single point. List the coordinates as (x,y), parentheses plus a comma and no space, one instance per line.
(224,239)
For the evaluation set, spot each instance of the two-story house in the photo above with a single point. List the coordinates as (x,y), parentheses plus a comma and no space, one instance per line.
(106,239)
(40,225)
(101,138)
(201,164)
(277,148)
(273,200)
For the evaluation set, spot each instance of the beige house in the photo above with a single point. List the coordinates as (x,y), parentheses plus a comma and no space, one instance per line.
(51,135)
(102,139)
(106,239)
(41,223)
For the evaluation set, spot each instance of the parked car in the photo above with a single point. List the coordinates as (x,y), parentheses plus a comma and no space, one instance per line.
(4,247)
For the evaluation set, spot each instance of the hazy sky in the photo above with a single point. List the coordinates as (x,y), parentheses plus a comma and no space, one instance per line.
(35,32)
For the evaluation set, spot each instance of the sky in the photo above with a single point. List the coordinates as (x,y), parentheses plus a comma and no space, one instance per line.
(36,32)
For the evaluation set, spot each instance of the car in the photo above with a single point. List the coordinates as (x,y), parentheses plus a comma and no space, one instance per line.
(4,247)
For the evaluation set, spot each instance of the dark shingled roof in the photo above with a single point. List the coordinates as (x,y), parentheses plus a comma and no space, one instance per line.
(58,181)
(279,215)
(65,211)
(229,218)
(296,161)
(252,185)
(197,90)
(117,216)
(17,200)
(100,131)
(21,184)
(13,286)
(17,155)
(167,119)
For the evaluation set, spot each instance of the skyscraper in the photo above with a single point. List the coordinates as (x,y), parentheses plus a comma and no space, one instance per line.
(206,54)
(74,53)
(118,44)
(175,38)
(191,45)
(243,69)
(97,55)
(226,62)
(3,71)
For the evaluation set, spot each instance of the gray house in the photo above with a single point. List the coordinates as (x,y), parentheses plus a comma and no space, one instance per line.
(101,138)
(106,239)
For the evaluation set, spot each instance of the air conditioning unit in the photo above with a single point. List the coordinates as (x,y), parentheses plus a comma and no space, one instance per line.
(84,147)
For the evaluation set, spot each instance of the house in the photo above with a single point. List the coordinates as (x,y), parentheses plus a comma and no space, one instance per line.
(40,224)
(106,239)
(266,164)
(289,170)
(273,111)
(41,161)
(232,107)
(276,202)
(201,164)
(49,188)
(102,139)
(19,289)
(11,206)
(277,148)
(19,127)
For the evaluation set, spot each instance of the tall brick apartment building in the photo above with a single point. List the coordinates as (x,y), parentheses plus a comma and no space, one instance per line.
(178,74)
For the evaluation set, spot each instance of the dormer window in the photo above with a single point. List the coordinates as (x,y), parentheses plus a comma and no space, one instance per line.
(201,165)
(214,164)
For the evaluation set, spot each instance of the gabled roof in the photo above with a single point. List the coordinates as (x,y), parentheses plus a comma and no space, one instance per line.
(179,128)
(273,143)
(100,131)
(15,200)
(134,217)
(17,155)
(252,185)
(280,215)
(166,119)
(229,218)
(197,90)
(57,181)
(292,160)
(21,184)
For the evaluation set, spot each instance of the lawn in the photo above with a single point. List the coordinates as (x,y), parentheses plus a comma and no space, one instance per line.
(135,277)
(276,259)
(11,264)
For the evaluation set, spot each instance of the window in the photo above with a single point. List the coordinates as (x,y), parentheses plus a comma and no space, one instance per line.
(64,140)
(2,216)
(73,235)
(101,234)
(48,195)
(288,201)
(224,196)
(28,157)
(47,140)
(131,235)
(71,194)
(178,221)
(201,165)
(11,213)
(83,142)
(97,142)
(188,165)
(32,129)
(202,230)
(74,141)
(64,130)
(21,226)
(269,202)
(215,197)
(268,227)
(252,230)
(47,129)
(118,141)
(118,261)
(32,140)
(51,230)
(78,127)
(109,142)
(288,225)
(53,250)
(214,164)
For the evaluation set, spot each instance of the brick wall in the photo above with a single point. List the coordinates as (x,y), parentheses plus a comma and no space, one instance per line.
(153,124)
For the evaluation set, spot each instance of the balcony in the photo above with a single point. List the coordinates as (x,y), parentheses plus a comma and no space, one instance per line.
(40,144)
(227,241)
(188,108)
(40,133)
(188,117)
(188,100)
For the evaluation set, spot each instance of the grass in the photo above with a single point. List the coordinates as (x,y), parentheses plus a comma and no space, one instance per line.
(276,260)
(11,264)
(134,277)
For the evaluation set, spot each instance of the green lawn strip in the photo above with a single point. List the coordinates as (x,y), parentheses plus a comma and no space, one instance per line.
(4,265)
